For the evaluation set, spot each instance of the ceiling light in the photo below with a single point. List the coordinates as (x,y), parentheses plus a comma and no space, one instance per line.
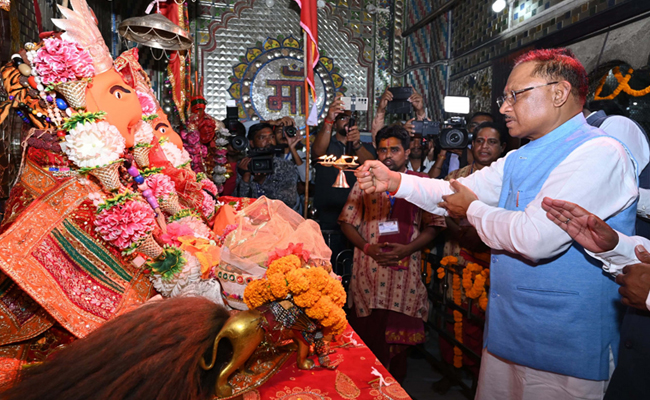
(498,5)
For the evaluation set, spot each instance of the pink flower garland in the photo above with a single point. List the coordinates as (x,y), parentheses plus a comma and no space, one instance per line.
(174,231)
(161,185)
(61,61)
(207,207)
(208,185)
(125,224)
(147,103)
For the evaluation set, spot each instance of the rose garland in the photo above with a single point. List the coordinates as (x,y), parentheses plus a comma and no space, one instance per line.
(192,143)
(210,192)
(60,60)
(312,289)
(623,85)
(147,102)
(124,221)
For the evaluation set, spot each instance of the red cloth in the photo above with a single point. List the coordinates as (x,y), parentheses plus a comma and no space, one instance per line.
(309,22)
(350,380)
(231,183)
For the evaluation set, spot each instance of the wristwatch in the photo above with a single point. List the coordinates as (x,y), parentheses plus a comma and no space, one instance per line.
(357,145)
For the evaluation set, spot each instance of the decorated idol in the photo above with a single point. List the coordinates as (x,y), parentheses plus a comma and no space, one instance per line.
(108,213)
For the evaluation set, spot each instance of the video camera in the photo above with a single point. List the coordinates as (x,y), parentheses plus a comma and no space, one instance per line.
(262,159)
(239,141)
(454,135)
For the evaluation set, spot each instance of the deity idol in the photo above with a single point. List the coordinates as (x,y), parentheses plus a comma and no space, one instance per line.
(66,265)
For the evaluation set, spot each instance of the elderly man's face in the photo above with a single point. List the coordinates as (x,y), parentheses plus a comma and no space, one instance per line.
(533,113)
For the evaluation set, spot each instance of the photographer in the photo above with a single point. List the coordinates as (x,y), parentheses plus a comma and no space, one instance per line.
(449,161)
(286,135)
(278,184)
(380,115)
(329,202)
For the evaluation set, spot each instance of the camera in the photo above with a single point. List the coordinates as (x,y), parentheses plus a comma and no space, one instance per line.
(426,128)
(262,159)
(455,135)
(290,130)
(239,142)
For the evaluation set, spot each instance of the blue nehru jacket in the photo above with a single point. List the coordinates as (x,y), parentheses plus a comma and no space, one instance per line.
(561,314)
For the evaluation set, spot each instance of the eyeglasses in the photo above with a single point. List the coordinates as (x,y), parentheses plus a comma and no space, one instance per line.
(512,97)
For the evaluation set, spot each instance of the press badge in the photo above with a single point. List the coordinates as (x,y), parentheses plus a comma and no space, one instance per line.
(388,227)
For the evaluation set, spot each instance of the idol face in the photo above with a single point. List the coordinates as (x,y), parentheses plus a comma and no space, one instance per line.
(163,129)
(108,92)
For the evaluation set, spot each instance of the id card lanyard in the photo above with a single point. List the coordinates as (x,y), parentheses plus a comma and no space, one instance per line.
(392,204)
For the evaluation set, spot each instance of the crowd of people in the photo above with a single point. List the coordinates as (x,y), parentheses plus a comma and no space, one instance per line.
(554,221)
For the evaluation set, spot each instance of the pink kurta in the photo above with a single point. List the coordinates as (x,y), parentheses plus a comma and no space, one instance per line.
(373,286)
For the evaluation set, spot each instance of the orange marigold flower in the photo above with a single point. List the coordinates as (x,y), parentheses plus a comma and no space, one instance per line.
(257,293)
(333,318)
(449,260)
(298,281)
(318,278)
(336,292)
(321,309)
(308,298)
(278,286)
(340,326)
(483,301)
(284,265)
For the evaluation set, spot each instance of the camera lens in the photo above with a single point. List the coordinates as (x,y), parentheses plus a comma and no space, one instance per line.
(290,131)
(238,143)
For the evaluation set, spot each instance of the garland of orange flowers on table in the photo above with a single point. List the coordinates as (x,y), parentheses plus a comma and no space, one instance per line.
(312,289)
(623,85)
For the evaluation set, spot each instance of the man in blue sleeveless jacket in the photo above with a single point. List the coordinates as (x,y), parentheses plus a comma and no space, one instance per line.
(552,318)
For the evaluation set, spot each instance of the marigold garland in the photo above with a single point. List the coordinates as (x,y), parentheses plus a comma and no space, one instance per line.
(458,321)
(474,280)
(623,85)
(312,289)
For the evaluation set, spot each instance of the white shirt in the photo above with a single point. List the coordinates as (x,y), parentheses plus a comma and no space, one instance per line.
(427,165)
(598,175)
(623,254)
(454,163)
(301,168)
(625,130)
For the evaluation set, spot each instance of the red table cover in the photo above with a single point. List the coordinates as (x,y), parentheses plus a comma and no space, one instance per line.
(352,379)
